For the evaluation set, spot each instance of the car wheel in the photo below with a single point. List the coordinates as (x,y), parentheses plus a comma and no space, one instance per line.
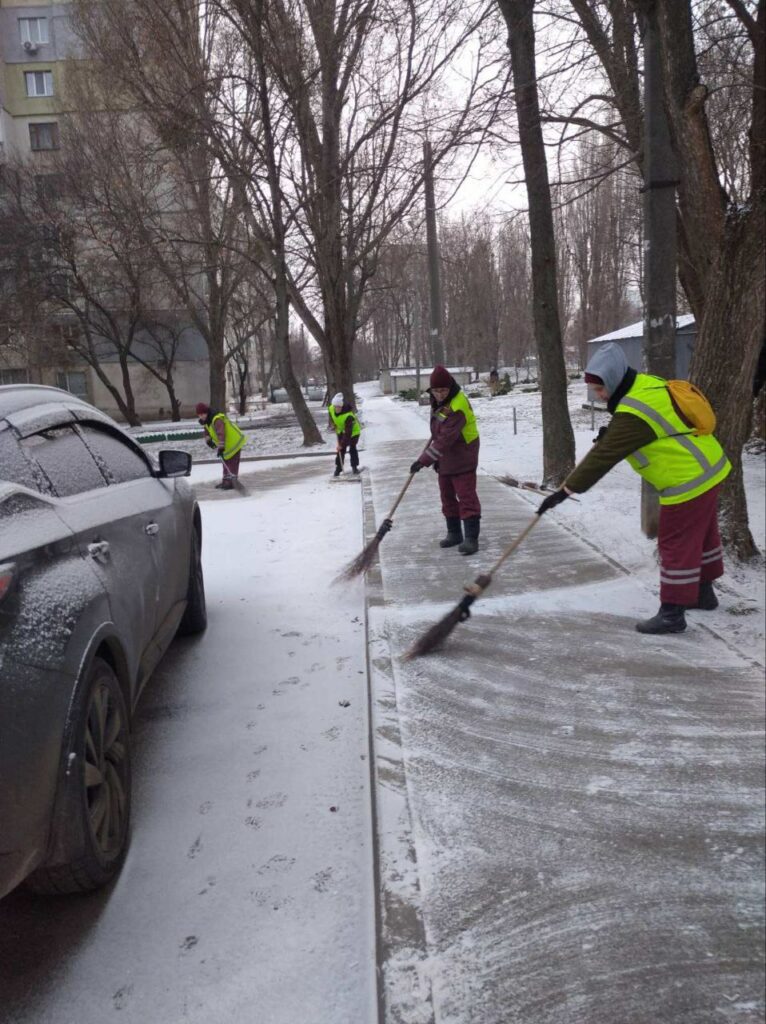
(195,616)
(91,827)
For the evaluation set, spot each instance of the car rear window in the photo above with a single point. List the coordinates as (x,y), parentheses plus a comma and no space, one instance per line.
(119,461)
(66,462)
(15,466)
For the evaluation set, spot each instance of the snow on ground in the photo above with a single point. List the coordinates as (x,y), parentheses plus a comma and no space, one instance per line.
(247,895)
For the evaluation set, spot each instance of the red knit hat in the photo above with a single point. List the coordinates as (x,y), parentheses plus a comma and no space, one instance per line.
(441,377)
(591,378)
(202,409)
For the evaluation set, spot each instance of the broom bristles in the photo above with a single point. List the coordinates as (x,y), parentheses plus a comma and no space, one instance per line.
(439,632)
(361,563)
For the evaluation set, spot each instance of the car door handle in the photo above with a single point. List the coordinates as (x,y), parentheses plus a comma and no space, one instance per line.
(98,548)
(151,529)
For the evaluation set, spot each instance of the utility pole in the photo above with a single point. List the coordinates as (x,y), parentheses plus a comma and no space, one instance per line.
(437,324)
(416,339)
(659,257)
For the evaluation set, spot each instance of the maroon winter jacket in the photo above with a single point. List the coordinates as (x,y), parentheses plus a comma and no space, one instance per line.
(447,447)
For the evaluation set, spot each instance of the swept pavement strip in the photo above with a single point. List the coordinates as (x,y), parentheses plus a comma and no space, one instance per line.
(569,814)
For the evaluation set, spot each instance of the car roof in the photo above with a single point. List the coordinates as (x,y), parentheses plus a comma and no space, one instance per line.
(31,403)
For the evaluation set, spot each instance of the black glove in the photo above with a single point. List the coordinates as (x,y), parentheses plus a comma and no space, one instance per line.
(435,466)
(211,443)
(552,500)
(600,434)
(416,467)
(386,525)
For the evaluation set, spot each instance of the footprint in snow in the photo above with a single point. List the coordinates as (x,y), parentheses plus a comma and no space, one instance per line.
(279,864)
(274,800)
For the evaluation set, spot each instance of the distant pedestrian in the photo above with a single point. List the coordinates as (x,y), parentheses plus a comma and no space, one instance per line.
(344,421)
(687,469)
(454,452)
(494,381)
(226,438)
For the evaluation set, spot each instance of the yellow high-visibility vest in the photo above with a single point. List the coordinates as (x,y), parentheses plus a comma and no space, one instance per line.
(234,439)
(679,464)
(461,404)
(339,420)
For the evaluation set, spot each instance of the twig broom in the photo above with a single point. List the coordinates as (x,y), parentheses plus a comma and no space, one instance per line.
(439,632)
(363,561)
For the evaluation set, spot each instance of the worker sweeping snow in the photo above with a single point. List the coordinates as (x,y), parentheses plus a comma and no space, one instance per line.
(454,453)
(671,448)
(226,438)
(347,429)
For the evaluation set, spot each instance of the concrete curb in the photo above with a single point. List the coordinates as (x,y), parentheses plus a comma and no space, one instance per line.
(404,984)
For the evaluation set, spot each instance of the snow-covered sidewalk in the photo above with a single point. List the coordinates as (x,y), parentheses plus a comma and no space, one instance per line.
(570,814)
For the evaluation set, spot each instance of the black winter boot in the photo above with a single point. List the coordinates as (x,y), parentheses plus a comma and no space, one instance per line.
(669,619)
(707,600)
(471,543)
(454,532)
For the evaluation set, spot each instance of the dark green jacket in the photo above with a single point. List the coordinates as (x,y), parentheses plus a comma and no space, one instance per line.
(624,435)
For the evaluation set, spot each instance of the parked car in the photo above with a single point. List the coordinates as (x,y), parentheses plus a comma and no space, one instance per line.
(99,569)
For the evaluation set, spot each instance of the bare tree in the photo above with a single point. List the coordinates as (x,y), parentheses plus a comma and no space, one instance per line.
(600,227)
(721,238)
(558,436)
(152,66)
(517,334)
(361,81)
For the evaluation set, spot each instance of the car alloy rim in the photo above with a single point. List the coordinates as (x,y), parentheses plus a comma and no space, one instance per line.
(106,768)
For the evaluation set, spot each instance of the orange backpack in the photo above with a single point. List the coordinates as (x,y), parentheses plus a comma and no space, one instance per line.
(692,406)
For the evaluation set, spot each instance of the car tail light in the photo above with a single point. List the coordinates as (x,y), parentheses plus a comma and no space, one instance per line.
(7,572)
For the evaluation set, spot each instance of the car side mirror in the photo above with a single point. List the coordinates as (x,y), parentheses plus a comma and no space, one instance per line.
(174,463)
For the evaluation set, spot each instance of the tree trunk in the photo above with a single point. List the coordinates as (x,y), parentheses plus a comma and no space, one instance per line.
(217,368)
(129,410)
(736,295)
(242,371)
(175,405)
(558,437)
(730,248)
(311,433)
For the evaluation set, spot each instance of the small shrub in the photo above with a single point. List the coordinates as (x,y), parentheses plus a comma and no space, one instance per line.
(476,394)
(408,395)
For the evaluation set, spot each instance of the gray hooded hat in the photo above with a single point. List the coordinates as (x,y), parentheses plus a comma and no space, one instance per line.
(610,364)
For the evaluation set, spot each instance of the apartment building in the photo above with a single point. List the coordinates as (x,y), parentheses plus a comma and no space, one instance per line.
(37,45)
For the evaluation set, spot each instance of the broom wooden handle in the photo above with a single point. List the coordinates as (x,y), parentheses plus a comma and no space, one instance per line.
(481,583)
(403,491)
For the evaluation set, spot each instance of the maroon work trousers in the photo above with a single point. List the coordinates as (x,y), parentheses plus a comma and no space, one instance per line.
(690,548)
(231,467)
(459,497)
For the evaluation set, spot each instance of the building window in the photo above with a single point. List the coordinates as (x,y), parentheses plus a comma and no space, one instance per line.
(73,381)
(39,83)
(33,30)
(44,136)
(14,376)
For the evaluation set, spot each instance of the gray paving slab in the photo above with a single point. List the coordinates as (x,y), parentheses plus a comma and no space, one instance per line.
(577,810)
